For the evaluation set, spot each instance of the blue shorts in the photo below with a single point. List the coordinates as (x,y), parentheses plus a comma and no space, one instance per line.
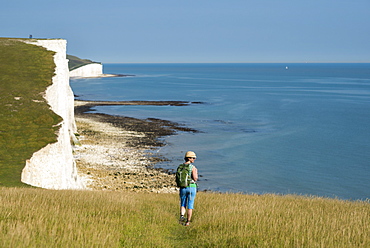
(187,197)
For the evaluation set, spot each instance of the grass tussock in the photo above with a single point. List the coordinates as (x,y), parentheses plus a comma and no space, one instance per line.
(26,122)
(44,218)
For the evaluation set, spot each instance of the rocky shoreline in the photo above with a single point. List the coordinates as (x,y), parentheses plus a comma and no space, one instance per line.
(118,153)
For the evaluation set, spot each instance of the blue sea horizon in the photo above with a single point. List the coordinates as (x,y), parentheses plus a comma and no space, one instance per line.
(283,128)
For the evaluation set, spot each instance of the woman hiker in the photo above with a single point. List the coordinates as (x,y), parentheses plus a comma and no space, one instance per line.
(187,194)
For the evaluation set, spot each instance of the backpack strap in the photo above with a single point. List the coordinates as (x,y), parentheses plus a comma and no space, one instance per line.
(191,174)
(190,169)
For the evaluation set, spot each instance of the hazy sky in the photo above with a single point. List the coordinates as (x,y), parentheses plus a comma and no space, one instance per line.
(197,30)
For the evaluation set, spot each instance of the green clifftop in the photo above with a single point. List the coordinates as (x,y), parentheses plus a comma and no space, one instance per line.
(75,62)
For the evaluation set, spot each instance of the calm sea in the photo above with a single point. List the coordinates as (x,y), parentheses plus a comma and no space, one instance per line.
(264,128)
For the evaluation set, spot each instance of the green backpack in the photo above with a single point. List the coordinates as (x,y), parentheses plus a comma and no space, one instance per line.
(183,175)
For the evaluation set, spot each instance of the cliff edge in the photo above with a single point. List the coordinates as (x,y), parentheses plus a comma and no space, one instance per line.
(53,166)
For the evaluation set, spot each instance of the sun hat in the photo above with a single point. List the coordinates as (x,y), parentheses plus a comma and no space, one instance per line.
(190,154)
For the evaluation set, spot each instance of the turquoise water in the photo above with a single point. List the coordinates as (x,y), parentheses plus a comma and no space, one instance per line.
(264,128)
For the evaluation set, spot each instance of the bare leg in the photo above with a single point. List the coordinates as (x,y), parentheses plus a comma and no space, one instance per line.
(182,210)
(190,213)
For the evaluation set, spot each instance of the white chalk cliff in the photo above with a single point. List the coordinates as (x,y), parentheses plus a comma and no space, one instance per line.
(90,70)
(53,167)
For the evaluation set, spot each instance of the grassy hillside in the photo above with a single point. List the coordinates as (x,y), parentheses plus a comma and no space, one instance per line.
(31,217)
(75,62)
(47,218)
(26,122)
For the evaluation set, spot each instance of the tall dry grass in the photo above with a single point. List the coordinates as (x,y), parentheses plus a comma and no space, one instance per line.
(282,221)
(45,218)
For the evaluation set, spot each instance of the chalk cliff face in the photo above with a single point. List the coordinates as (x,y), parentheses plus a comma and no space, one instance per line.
(53,166)
(90,70)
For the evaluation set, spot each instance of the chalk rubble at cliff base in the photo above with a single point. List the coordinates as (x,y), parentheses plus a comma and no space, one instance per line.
(110,163)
